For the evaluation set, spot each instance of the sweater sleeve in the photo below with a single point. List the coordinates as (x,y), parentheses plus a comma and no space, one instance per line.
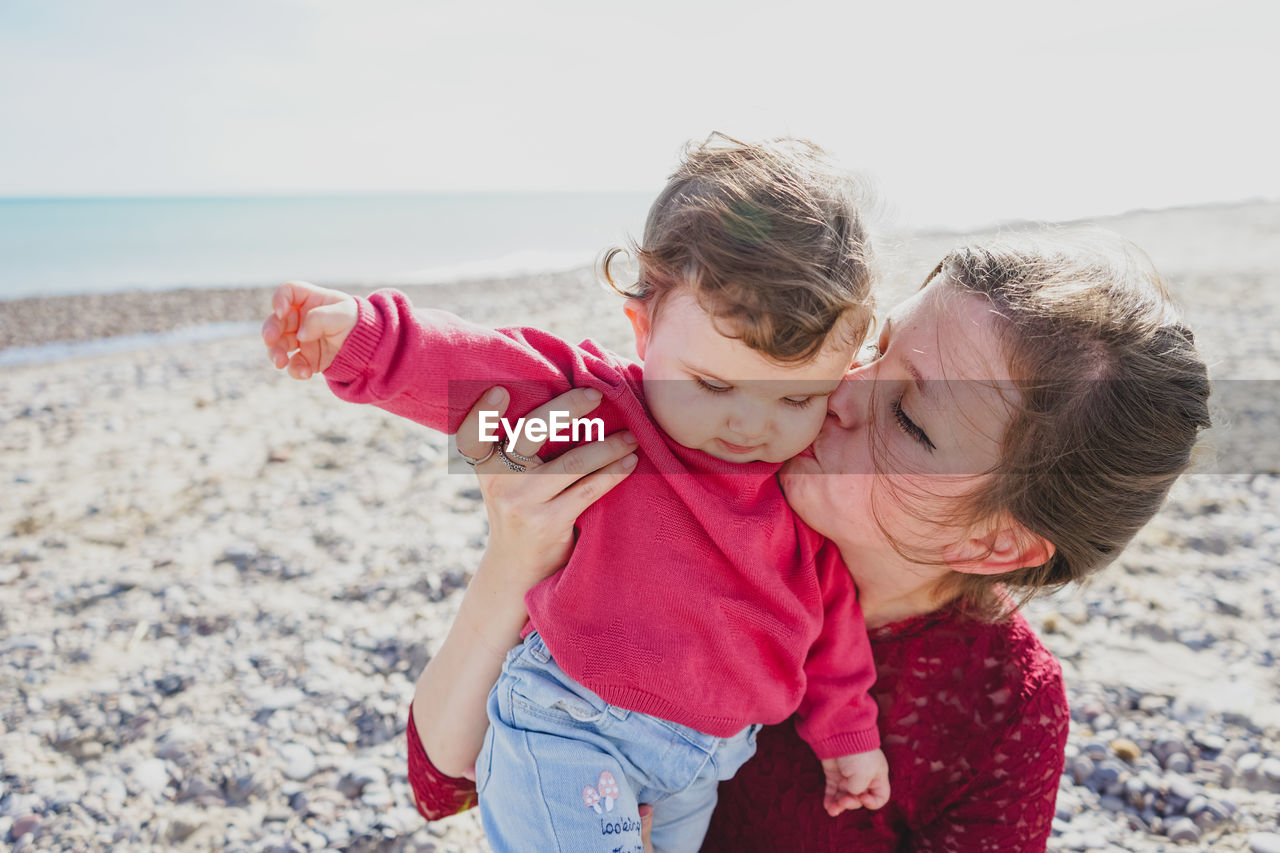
(837,714)
(1009,804)
(431,367)
(434,794)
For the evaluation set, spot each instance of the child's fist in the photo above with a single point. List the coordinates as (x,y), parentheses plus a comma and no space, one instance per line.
(311,323)
(856,781)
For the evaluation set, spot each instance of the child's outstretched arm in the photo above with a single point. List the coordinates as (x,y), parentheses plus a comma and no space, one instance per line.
(855,781)
(310,322)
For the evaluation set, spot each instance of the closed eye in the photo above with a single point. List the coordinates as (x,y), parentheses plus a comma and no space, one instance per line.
(711,385)
(909,426)
(798,402)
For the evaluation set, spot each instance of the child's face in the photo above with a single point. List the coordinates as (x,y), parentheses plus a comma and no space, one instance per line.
(715,394)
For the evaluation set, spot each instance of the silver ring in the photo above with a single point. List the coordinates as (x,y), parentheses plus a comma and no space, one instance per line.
(506,440)
(474,462)
(509,462)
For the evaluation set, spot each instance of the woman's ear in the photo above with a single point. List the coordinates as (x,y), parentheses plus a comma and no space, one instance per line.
(637,311)
(1006,547)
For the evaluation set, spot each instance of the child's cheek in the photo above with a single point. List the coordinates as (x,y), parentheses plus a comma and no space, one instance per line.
(803,428)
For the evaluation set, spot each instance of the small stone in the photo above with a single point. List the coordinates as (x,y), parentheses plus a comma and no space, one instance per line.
(1271,769)
(23,825)
(1111,803)
(1135,791)
(1066,806)
(1094,840)
(1082,768)
(1183,829)
(1179,762)
(180,830)
(1152,703)
(1214,813)
(152,776)
(1264,842)
(1249,764)
(1096,751)
(1188,711)
(172,684)
(201,790)
(299,762)
(1196,805)
(275,700)
(1125,749)
(1165,747)
(1210,741)
(377,797)
(354,781)
(1109,773)
(1181,787)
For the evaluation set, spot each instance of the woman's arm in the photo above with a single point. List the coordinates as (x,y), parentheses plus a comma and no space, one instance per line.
(531,517)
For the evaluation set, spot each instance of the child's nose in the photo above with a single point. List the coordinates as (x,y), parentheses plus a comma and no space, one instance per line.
(748,422)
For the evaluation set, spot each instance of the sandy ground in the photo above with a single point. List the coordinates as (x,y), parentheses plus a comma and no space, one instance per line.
(217,585)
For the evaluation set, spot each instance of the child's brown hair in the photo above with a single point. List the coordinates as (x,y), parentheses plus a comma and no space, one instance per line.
(770,239)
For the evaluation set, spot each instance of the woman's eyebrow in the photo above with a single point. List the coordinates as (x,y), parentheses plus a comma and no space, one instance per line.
(922,385)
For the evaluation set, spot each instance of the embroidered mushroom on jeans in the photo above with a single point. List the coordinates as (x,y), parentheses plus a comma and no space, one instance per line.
(608,789)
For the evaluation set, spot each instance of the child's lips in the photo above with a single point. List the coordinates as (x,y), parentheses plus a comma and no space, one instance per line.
(739,448)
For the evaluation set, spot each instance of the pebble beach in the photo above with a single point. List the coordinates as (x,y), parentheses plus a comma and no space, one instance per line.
(218,585)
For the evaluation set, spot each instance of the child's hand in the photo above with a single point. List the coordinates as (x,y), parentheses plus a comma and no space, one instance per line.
(312,320)
(855,781)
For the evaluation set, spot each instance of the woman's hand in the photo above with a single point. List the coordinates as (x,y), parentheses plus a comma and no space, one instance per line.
(531,514)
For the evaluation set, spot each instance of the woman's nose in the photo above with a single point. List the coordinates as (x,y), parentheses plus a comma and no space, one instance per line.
(850,402)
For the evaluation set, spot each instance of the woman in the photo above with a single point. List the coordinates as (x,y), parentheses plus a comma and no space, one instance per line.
(1027,412)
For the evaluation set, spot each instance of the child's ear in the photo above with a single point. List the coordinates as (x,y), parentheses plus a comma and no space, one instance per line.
(1005,547)
(638,313)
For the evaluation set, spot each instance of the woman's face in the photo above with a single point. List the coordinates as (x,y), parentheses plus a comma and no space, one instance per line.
(934,405)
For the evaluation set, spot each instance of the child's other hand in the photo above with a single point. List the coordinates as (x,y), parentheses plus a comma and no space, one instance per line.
(856,781)
(311,323)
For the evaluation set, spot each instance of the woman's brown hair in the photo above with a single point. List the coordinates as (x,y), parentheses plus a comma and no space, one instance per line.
(769,238)
(1112,395)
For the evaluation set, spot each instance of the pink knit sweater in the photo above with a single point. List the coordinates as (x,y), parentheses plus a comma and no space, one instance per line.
(693,593)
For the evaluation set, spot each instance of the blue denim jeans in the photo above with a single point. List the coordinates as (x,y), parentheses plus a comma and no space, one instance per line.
(562,770)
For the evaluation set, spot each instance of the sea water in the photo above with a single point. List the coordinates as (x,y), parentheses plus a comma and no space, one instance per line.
(66,246)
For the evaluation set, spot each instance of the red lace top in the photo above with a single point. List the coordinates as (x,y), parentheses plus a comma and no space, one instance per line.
(973,719)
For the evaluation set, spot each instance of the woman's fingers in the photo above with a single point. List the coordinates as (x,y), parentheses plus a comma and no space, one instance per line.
(468,437)
(571,404)
(592,471)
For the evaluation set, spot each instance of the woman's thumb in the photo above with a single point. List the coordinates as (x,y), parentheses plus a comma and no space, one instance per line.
(326,320)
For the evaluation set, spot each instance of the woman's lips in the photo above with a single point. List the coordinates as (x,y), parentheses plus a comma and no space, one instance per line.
(739,448)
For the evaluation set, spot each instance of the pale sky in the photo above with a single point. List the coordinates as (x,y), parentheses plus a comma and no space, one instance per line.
(963,111)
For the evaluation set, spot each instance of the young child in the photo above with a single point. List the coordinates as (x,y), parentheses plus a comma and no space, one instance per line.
(693,608)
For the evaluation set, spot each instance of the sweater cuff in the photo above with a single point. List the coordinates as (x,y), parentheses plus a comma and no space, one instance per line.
(848,743)
(357,350)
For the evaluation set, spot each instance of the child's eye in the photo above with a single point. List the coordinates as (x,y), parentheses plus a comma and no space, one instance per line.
(909,426)
(711,385)
(797,402)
